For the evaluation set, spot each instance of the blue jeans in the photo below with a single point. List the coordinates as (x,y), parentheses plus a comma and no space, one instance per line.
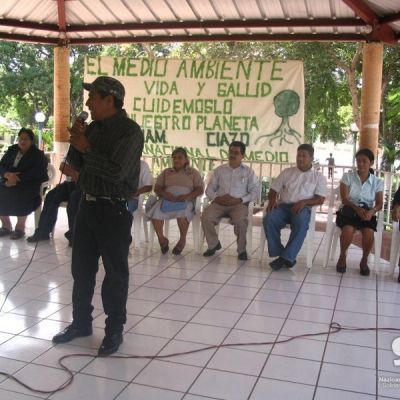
(133,205)
(276,220)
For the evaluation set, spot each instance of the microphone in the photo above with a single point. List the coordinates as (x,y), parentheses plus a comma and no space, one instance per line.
(82,117)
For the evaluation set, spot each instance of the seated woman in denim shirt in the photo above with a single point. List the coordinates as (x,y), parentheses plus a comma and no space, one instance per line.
(362,197)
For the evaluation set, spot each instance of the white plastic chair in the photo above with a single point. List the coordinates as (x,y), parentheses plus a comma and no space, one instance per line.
(51,172)
(309,240)
(138,222)
(249,232)
(333,233)
(394,247)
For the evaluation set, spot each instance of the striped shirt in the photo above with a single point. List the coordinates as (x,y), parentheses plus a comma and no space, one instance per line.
(112,166)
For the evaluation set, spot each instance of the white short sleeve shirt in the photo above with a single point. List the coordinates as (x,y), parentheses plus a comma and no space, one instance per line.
(294,185)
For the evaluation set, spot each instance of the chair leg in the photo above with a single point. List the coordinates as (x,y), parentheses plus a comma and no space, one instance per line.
(151,235)
(136,228)
(377,254)
(262,243)
(335,240)
(394,247)
(310,246)
(145,229)
(328,248)
(196,232)
(249,239)
(201,240)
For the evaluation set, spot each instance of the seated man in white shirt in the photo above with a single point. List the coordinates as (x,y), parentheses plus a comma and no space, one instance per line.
(145,185)
(299,188)
(231,188)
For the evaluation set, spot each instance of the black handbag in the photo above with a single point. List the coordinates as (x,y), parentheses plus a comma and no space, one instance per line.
(348,212)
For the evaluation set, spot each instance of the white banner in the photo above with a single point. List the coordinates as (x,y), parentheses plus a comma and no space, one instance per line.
(203,105)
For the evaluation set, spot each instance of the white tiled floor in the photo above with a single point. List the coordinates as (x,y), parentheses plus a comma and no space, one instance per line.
(178,304)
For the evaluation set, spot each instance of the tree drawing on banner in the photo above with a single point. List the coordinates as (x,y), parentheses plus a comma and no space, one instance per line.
(286,104)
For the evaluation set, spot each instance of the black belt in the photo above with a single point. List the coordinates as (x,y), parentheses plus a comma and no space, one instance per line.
(90,197)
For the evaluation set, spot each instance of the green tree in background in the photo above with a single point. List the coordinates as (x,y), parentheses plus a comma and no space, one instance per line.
(332,73)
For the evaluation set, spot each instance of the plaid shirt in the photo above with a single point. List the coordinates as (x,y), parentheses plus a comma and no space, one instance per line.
(112,167)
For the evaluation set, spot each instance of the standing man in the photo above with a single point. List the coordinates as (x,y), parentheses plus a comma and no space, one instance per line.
(299,188)
(331,165)
(232,187)
(107,155)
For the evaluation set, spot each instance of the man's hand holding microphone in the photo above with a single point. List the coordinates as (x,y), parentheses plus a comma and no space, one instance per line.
(78,138)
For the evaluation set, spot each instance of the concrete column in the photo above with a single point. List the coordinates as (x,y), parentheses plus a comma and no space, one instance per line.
(61,103)
(371,95)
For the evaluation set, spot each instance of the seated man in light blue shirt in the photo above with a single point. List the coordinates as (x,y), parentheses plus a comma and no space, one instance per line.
(299,188)
(232,187)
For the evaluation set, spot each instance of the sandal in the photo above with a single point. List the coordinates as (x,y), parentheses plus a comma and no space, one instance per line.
(17,234)
(165,247)
(177,250)
(341,265)
(5,232)
(364,269)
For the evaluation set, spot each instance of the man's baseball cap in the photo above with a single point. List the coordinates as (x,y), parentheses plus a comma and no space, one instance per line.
(107,85)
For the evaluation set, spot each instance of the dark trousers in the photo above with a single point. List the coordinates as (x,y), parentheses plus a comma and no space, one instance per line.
(72,210)
(65,191)
(102,228)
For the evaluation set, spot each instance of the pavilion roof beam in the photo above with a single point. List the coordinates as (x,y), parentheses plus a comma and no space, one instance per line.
(62,22)
(380,32)
(218,24)
(306,37)
(390,18)
(28,38)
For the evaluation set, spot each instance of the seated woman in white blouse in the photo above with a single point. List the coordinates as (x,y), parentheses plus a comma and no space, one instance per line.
(362,197)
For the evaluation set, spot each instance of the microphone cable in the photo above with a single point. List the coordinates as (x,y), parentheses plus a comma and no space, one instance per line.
(334,328)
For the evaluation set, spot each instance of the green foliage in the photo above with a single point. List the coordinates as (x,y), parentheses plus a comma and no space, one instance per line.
(26,80)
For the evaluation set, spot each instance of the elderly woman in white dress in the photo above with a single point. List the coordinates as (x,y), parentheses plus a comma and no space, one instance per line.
(177,189)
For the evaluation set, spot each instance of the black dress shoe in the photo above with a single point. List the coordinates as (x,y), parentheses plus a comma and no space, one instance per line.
(71,332)
(110,344)
(211,252)
(288,264)
(243,256)
(5,232)
(277,264)
(37,237)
